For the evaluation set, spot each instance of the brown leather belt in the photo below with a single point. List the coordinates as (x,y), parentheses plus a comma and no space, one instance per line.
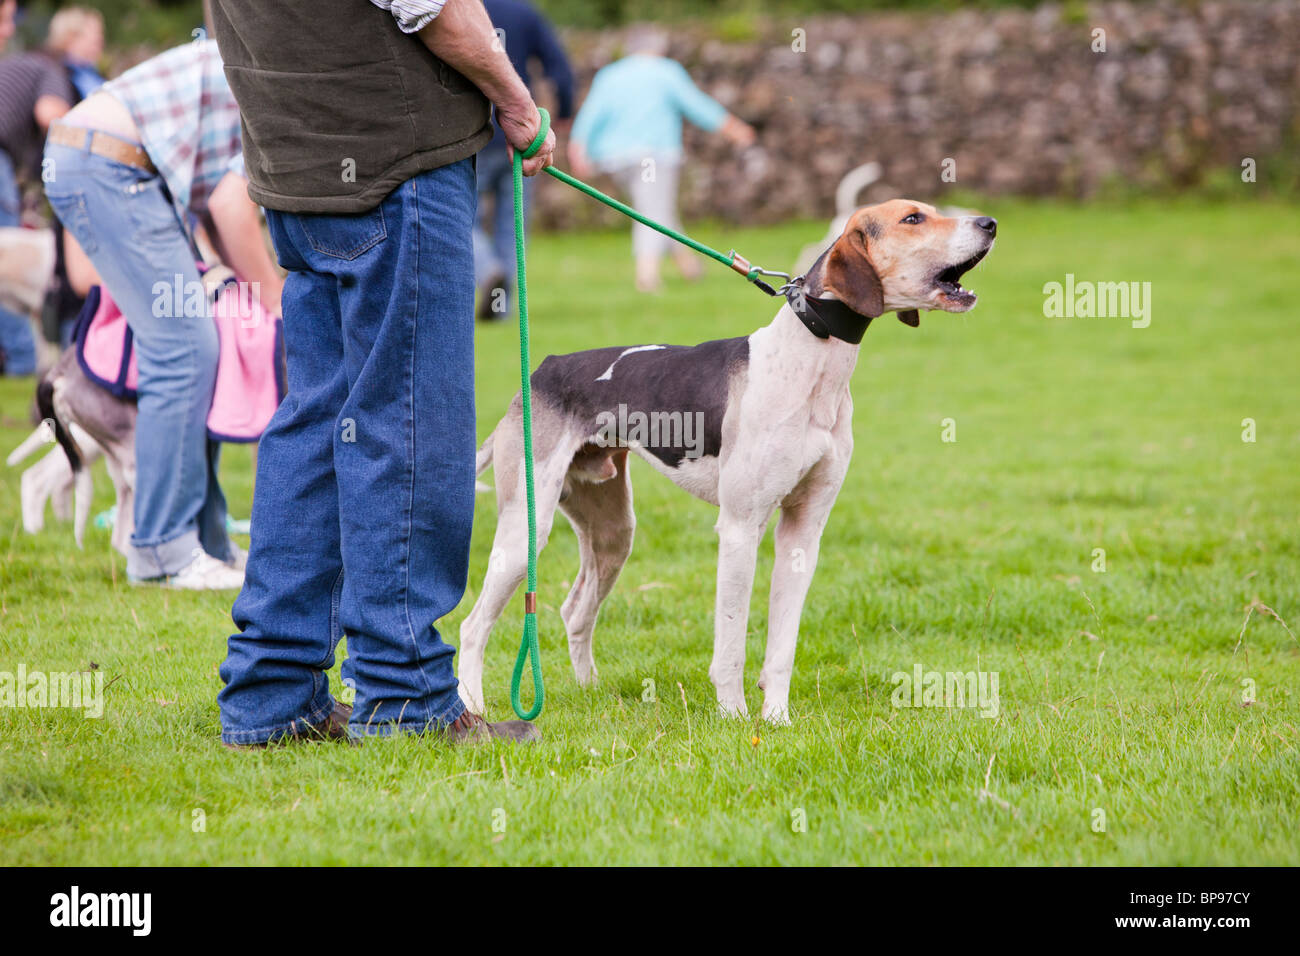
(102,144)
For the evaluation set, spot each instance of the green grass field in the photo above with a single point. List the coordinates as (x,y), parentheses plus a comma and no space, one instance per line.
(1134,691)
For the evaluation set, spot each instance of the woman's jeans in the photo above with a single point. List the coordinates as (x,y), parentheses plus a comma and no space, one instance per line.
(15,330)
(365,475)
(124,219)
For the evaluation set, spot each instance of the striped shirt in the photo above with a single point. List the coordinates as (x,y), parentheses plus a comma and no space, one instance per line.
(411,15)
(24,79)
(187,117)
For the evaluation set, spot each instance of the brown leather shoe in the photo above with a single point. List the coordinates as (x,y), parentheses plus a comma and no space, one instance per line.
(472,729)
(333,727)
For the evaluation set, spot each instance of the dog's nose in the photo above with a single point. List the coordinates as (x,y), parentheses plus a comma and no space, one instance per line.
(988,224)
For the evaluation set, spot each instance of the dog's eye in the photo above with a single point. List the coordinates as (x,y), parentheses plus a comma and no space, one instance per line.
(915,219)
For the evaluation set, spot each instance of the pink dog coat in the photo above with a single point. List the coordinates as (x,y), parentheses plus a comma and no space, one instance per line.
(250,367)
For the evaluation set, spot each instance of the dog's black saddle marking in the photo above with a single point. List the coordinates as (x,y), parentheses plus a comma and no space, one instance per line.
(684,379)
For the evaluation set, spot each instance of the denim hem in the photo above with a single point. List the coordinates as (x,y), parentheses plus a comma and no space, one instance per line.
(162,558)
(266,735)
(360,729)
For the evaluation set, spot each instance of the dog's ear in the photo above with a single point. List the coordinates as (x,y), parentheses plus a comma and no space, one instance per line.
(847,272)
(909,317)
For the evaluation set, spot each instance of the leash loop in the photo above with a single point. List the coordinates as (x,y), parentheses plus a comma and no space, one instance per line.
(540,138)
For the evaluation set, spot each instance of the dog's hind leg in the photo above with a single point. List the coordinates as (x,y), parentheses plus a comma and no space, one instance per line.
(61,496)
(42,482)
(601,515)
(81,497)
(121,469)
(508,563)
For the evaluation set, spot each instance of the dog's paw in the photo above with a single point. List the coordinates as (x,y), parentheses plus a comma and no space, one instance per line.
(473,702)
(733,709)
(776,715)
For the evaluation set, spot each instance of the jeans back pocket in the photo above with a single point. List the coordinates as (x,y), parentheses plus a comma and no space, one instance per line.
(344,237)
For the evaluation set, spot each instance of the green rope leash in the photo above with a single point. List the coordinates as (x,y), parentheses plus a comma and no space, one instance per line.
(732,260)
(528,650)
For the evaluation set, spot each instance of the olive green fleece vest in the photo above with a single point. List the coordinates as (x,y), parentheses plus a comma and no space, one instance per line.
(339,106)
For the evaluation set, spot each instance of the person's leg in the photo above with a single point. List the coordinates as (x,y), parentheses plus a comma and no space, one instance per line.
(648,246)
(10,197)
(503,233)
(16,339)
(663,200)
(496,182)
(406,479)
(487,267)
(124,220)
(17,342)
(287,613)
(382,370)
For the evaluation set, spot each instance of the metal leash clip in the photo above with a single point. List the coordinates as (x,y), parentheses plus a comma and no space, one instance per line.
(746,268)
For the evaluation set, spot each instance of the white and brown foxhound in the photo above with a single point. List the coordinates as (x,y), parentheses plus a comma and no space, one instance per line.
(748,424)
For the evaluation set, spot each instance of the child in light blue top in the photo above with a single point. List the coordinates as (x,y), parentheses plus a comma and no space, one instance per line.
(635,109)
(631,127)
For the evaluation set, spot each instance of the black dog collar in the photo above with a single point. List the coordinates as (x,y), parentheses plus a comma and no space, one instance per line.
(831,318)
(826,318)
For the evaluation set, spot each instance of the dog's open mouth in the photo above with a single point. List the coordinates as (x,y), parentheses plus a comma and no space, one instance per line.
(949,285)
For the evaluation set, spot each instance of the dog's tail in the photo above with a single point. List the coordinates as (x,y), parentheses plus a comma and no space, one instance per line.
(32,442)
(483,461)
(45,403)
(484,458)
(82,483)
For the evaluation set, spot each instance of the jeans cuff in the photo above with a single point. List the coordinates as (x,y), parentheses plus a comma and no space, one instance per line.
(162,558)
(359,727)
(266,735)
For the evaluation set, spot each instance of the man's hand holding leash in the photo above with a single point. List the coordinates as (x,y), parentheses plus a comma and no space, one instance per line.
(462,37)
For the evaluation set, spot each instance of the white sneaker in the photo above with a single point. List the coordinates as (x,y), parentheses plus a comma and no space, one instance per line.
(206,573)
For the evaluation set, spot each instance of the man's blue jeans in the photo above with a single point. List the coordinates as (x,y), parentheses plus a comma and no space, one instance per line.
(365,476)
(125,222)
(15,330)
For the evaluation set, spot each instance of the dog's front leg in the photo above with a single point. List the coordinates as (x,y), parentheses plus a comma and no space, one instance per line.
(804,513)
(798,536)
(738,539)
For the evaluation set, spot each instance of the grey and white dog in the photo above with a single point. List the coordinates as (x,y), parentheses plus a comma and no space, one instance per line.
(749,424)
(88,422)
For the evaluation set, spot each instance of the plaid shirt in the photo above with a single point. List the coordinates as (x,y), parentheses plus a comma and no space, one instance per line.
(188,119)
